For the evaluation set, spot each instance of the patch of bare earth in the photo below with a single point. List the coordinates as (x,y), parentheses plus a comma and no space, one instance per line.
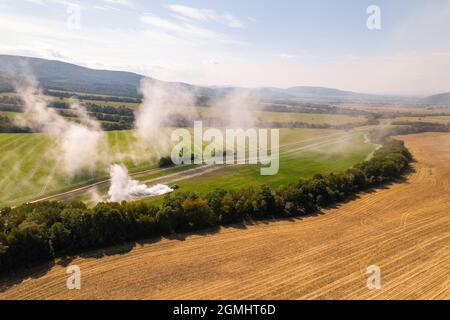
(404,229)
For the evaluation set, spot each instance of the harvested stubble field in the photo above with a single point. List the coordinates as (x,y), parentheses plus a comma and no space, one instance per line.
(403,229)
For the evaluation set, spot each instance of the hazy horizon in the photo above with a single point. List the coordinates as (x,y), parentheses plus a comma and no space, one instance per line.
(251,44)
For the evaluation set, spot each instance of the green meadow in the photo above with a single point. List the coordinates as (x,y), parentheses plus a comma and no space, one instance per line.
(30,168)
(320,152)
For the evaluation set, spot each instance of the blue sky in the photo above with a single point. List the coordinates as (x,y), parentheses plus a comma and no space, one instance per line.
(247,43)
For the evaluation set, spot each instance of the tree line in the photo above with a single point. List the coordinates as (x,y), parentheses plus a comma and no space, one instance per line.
(7,125)
(45,230)
(65,94)
(112,118)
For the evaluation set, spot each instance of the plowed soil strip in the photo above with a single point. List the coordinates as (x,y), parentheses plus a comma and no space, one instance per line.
(404,229)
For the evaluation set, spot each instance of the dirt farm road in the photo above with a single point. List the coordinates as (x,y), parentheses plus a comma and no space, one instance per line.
(404,229)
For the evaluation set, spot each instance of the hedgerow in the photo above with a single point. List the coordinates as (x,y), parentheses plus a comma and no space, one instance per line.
(45,230)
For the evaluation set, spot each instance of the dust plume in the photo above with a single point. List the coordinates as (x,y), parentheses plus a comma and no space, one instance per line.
(161,101)
(239,107)
(124,188)
(77,142)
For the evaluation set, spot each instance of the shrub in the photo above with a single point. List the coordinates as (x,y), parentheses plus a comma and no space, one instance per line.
(39,231)
(60,237)
(27,244)
(198,213)
(165,162)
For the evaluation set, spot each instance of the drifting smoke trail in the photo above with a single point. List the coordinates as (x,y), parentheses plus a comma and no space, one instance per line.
(124,188)
(161,102)
(239,107)
(78,142)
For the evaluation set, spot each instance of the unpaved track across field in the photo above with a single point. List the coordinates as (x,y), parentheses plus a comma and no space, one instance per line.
(189,173)
(404,229)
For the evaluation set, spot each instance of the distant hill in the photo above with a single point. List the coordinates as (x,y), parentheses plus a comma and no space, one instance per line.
(70,77)
(442,99)
(311,94)
(307,92)
(5,83)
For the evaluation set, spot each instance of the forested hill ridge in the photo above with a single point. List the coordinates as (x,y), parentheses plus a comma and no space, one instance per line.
(58,75)
(442,99)
(71,77)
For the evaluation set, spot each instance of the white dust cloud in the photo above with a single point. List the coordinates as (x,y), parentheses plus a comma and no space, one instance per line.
(161,102)
(77,143)
(124,188)
(239,107)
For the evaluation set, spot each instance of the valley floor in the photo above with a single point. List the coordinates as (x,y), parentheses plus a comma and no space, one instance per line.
(403,229)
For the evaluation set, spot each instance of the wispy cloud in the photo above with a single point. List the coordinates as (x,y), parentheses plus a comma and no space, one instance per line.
(206,15)
(51,2)
(186,31)
(106,8)
(182,29)
(127,3)
(103,5)
(286,56)
(205,46)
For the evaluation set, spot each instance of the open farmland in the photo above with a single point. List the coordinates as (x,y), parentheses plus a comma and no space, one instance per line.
(220,112)
(31,171)
(430,119)
(266,116)
(332,152)
(395,108)
(30,167)
(8,114)
(403,229)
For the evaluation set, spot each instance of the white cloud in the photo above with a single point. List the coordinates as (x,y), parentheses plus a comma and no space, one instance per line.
(286,56)
(185,31)
(191,50)
(161,23)
(127,3)
(50,2)
(106,8)
(206,15)
(182,30)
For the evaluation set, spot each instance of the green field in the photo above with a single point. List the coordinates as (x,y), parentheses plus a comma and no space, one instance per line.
(432,119)
(103,103)
(8,114)
(218,113)
(30,168)
(266,116)
(308,155)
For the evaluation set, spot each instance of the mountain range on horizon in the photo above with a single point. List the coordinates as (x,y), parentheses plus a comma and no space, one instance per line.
(58,75)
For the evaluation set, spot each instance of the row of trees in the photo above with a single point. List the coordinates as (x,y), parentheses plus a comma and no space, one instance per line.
(404,128)
(8,126)
(65,94)
(313,108)
(41,231)
(95,108)
(112,118)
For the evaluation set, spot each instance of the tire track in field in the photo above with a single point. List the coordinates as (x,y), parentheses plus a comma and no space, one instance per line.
(5,142)
(189,173)
(17,166)
(17,144)
(24,181)
(316,257)
(23,155)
